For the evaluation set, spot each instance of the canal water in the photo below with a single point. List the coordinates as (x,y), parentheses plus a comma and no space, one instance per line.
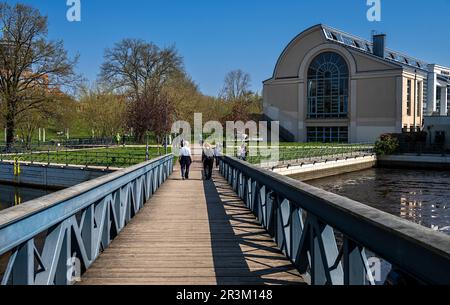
(420,196)
(15,195)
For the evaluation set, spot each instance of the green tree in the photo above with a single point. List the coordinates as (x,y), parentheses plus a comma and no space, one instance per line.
(386,145)
(33,68)
(105,113)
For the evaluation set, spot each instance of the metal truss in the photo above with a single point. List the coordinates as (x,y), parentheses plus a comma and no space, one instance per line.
(53,240)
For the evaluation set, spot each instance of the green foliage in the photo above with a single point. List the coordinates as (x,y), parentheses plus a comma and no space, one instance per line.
(386,145)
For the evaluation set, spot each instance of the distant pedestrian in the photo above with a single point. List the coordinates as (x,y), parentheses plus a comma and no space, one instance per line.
(217,153)
(242,154)
(208,160)
(185,160)
(118,138)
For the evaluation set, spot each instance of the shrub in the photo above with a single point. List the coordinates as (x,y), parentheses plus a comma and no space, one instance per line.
(386,145)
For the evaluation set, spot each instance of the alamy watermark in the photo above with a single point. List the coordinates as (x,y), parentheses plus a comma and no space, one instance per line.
(73,270)
(374,273)
(260,140)
(374,11)
(74,11)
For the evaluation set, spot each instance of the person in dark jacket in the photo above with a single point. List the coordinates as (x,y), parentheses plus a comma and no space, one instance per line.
(208,160)
(185,160)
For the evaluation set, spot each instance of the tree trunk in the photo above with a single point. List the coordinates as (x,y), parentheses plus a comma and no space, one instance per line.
(10,129)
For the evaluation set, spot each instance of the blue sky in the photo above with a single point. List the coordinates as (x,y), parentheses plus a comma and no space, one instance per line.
(216,36)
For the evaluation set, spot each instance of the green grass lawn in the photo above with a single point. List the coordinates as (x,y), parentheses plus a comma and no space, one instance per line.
(107,157)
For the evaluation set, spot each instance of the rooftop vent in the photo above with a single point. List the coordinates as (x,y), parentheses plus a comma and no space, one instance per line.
(379,45)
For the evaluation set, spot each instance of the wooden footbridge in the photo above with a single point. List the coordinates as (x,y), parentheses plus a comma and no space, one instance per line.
(145,225)
(193,232)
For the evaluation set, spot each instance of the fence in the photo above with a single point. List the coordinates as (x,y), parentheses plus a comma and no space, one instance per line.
(326,235)
(311,153)
(114,157)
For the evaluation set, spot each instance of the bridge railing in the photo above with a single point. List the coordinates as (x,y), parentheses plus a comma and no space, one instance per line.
(54,239)
(328,236)
(88,158)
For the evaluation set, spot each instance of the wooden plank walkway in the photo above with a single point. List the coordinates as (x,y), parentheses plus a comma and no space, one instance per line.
(193,232)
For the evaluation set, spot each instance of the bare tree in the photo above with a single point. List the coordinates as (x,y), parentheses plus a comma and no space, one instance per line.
(136,66)
(236,85)
(32,68)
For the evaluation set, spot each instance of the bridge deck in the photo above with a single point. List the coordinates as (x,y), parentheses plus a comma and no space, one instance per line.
(193,232)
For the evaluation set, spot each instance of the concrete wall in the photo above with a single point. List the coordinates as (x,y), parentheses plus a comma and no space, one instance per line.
(427,162)
(325,169)
(53,176)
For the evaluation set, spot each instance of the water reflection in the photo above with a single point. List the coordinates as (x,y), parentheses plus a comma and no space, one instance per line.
(15,195)
(419,196)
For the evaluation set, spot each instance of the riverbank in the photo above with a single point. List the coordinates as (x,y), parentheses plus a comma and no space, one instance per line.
(326,167)
(414,161)
(48,176)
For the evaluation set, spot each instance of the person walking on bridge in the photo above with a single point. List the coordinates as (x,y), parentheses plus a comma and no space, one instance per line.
(217,153)
(208,160)
(185,160)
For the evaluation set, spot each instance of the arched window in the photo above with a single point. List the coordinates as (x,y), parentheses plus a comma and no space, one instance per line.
(328,87)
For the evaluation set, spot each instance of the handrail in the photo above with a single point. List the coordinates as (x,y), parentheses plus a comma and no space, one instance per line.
(304,221)
(87,158)
(83,220)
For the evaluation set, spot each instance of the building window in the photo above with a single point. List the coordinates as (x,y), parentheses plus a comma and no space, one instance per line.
(448,100)
(419,99)
(408,98)
(438,99)
(425,98)
(328,134)
(328,79)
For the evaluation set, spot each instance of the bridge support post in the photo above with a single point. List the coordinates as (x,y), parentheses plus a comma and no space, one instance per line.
(23,269)
(354,269)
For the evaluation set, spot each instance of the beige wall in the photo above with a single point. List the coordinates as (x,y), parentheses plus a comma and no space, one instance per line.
(281,103)
(367,63)
(283,96)
(408,120)
(376,98)
(289,63)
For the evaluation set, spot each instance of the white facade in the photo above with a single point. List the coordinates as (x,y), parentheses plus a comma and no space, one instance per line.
(438,102)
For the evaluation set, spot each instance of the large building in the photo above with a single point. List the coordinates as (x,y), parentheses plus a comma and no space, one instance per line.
(438,102)
(330,86)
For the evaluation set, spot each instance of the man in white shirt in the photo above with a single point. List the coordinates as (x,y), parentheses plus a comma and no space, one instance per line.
(185,160)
